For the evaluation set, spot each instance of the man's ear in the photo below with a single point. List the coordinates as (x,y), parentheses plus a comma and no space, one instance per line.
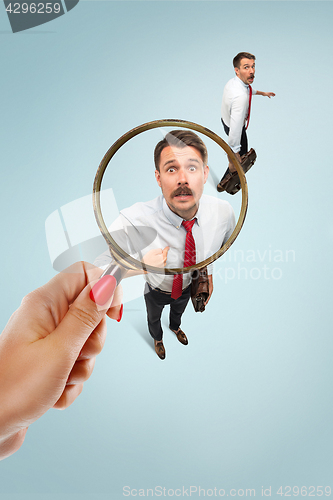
(237,71)
(158,177)
(206,172)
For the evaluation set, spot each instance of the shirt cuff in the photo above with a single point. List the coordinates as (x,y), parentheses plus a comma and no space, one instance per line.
(236,149)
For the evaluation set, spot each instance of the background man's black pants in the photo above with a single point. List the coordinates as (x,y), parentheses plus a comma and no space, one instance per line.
(155,302)
(244,145)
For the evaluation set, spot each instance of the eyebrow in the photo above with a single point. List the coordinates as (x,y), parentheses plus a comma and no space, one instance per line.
(175,160)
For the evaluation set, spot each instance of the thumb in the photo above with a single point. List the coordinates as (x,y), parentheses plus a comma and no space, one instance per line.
(165,252)
(83,316)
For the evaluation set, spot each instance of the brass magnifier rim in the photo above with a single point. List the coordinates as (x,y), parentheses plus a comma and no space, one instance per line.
(118,253)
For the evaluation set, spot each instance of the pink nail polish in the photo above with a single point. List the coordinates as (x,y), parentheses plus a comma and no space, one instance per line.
(103,290)
(120,312)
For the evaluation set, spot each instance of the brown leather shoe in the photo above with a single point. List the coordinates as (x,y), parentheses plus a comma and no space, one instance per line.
(181,336)
(159,349)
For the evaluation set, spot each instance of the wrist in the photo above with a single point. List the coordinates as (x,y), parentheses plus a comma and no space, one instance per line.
(11,427)
(10,444)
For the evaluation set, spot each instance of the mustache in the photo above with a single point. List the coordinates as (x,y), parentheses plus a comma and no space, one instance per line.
(181,190)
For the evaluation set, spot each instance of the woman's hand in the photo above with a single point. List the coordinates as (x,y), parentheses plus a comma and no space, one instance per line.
(48,349)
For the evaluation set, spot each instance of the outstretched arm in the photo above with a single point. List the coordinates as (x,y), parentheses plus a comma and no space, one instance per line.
(265,94)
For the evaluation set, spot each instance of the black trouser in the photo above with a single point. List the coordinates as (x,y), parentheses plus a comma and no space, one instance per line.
(244,146)
(155,302)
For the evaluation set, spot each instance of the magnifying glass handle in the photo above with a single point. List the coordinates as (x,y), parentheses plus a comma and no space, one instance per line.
(102,291)
(115,270)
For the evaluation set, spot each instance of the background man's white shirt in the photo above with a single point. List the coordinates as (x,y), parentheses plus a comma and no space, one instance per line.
(234,110)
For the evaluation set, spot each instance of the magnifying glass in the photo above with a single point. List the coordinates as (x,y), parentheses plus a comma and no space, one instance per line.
(123,260)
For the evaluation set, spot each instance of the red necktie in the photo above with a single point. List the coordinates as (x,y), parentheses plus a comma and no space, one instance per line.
(189,259)
(248,114)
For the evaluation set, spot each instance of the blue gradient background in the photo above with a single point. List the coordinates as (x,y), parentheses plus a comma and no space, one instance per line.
(249,402)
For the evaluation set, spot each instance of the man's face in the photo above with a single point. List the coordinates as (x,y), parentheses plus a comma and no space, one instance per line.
(182,177)
(246,70)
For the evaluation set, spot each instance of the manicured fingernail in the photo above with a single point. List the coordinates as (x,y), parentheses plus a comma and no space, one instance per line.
(103,290)
(120,312)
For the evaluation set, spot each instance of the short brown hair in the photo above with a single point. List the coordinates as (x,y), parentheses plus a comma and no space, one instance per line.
(242,55)
(180,139)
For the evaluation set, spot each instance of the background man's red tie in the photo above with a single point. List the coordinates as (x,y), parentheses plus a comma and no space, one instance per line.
(248,114)
(189,259)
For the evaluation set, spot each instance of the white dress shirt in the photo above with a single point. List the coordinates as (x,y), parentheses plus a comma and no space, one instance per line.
(235,106)
(160,227)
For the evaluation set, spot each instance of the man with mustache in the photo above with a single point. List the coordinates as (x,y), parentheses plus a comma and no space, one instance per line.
(190,227)
(236,107)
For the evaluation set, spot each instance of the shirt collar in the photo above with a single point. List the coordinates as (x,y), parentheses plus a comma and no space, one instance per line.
(198,214)
(241,82)
(175,219)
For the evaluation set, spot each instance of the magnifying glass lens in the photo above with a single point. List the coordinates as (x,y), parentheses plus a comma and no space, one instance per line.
(150,235)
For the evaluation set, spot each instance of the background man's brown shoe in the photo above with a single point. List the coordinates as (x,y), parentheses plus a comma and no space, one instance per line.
(181,336)
(159,349)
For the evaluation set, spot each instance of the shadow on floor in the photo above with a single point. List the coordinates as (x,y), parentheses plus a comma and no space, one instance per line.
(140,325)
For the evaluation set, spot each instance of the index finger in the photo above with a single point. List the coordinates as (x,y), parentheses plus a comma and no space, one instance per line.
(70,282)
(58,294)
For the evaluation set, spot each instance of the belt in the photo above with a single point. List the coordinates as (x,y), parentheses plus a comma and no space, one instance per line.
(163,291)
